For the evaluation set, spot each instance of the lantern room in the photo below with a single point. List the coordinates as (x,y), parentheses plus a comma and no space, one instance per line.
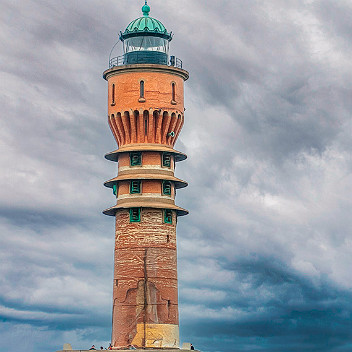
(146,41)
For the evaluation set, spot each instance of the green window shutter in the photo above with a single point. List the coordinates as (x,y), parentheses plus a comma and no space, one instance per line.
(135,187)
(168,216)
(167,188)
(135,158)
(166,159)
(114,189)
(135,214)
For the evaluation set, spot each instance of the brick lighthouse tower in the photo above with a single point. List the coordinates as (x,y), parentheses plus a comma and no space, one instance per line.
(146,115)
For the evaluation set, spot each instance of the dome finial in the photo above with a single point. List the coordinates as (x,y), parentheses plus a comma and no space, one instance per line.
(146,9)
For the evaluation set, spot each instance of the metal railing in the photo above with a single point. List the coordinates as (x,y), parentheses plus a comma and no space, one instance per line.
(117,61)
(121,60)
(175,61)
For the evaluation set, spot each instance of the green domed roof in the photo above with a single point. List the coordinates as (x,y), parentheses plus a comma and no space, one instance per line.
(146,25)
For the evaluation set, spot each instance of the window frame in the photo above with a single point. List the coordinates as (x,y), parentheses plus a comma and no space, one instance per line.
(168,216)
(173,93)
(115,189)
(113,93)
(139,162)
(135,189)
(141,98)
(142,89)
(132,215)
(163,159)
(164,183)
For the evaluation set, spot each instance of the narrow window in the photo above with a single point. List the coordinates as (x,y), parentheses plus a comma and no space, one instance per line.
(167,188)
(173,85)
(141,89)
(113,94)
(168,216)
(167,238)
(135,158)
(116,282)
(135,187)
(166,159)
(114,189)
(146,126)
(135,214)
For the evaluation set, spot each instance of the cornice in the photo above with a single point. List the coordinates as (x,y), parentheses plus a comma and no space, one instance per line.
(118,70)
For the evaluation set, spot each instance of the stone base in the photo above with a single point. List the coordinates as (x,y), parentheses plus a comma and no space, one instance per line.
(137,350)
(185,347)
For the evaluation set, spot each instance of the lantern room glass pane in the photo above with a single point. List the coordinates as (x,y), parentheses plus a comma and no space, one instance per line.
(146,43)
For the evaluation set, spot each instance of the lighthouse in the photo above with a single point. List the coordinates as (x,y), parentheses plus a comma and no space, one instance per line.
(145,115)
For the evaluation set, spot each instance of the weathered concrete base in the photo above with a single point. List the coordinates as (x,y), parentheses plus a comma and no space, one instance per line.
(137,350)
(185,348)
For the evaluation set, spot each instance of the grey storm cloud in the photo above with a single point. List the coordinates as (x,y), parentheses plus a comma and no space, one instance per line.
(265,254)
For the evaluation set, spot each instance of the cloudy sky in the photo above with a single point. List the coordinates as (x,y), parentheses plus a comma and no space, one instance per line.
(265,256)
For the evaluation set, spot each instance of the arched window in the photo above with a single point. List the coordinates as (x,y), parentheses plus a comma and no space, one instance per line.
(141,89)
(146,124)
(113,94)
(173,86)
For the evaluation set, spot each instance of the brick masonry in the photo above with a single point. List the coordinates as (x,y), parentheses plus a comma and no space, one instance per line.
(145,274)
(145,292)
(132,120)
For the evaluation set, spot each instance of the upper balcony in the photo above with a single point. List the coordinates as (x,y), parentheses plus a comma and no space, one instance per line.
(145,57)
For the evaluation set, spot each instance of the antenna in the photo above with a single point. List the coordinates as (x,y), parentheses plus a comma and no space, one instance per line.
(113,49)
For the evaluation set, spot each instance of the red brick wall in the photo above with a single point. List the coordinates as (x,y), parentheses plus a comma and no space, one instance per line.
(146,274)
